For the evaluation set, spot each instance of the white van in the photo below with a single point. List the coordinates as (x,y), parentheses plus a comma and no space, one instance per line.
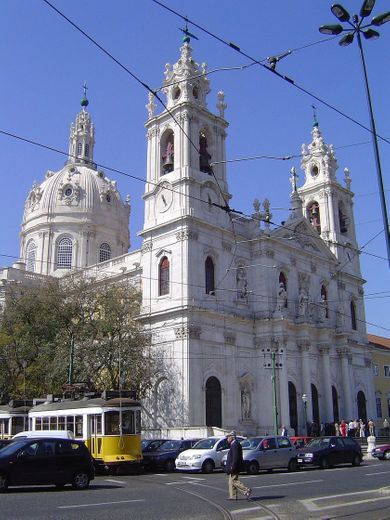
(61,434)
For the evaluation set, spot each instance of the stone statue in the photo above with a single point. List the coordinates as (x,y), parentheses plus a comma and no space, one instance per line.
(151,106)
(242,284)
(340,316)
(281,298)
(322,309)
(245,404)
(303,303)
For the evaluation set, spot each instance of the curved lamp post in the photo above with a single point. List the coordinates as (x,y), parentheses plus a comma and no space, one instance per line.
(304,401)
(359,27)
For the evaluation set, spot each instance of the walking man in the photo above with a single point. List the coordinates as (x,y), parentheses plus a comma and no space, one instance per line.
(234,463)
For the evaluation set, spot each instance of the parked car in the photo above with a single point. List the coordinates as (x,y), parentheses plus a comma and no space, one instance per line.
(382,452)
(164,456)
(4,442)
(61,434)
(206,455)
(151,444)
(267,453)
(329,451)
(28,461)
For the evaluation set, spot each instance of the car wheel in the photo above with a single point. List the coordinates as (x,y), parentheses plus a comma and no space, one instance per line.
(324,464)
(356,460)
(253,467)
(3,483)
(80,480)
(169,465)
(386,455)
(208,466)
(293,465)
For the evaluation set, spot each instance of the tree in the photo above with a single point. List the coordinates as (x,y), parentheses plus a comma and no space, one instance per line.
(74,330)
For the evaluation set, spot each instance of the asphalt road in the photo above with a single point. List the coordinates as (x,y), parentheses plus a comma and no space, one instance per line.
(344,492)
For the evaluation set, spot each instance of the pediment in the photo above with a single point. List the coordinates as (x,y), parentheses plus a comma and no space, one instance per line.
(302,235)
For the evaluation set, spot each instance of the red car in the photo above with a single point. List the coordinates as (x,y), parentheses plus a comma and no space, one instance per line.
(382,452)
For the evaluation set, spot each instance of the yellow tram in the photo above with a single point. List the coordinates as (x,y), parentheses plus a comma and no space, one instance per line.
(108,423)
(14,417)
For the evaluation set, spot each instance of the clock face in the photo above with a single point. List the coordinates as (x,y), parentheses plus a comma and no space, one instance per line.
(164,197)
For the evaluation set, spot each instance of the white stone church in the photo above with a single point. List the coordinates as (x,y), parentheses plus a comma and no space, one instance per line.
(260,324)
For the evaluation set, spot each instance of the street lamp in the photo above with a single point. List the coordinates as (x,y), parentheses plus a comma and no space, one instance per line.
(304,401)
(359,27)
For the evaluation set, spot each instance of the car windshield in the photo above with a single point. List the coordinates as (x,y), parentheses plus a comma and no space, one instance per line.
(319,443)
(13,447)
(205,444)
(251,443)
(170,445)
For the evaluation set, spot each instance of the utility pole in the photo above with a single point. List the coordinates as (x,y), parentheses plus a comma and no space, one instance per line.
(272,362)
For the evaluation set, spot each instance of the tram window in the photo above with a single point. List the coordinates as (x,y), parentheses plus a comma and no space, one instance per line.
(61,423)
(17,425)
(99,424)
(4,423)
(38,423)
(111,423)
(127,422)
(45,423)
(79,426)
(53,423)
(70,424)
(138,421)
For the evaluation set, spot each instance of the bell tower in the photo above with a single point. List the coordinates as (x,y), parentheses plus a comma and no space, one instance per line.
(186,173)
(326,203)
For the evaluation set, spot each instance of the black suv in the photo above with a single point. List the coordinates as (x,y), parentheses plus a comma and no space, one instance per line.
(45,461)
(329,451)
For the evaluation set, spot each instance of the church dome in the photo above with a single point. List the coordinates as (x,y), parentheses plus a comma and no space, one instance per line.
(76,216)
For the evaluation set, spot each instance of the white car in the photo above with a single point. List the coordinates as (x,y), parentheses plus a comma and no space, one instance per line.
(206,455)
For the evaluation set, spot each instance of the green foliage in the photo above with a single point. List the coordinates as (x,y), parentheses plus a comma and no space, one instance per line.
(70,331)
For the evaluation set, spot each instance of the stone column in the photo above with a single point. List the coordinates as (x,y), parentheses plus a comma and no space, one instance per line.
(327,383)
(347,404)
(304,347)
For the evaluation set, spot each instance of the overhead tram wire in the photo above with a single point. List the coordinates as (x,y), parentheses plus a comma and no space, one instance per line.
(226,206)
(134,177)
(289,80)
(142,83)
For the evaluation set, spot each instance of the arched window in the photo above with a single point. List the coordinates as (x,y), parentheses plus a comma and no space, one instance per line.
(79,149)
(64,253)
(86,150)
(104,252)
(209,274)
(335,401)
(324,301)
(342,220)
(353,316)
(213,402)
(313,214)
(31,254)
(163,277)
(168,152)
(315,406)
(204,156)
(292,400)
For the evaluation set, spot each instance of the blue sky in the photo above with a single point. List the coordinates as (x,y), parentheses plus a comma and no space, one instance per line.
(44,62)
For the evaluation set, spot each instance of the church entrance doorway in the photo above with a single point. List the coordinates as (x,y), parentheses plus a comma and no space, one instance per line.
(361,404)
(213,402)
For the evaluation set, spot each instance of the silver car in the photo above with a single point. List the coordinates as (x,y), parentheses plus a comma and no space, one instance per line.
(268,453)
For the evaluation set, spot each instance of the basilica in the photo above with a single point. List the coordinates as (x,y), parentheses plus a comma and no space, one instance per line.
(261,325)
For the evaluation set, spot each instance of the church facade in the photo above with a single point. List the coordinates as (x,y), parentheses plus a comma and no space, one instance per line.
(260,325)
